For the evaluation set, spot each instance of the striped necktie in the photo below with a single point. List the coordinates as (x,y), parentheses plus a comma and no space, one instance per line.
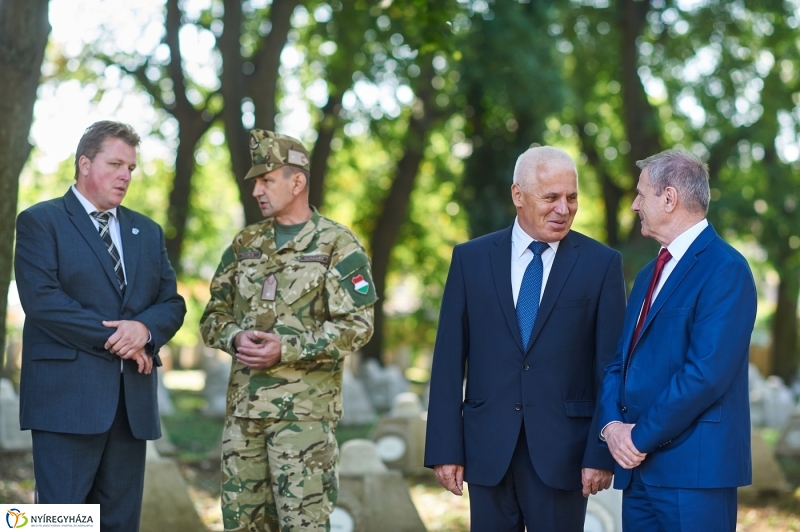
(103,218)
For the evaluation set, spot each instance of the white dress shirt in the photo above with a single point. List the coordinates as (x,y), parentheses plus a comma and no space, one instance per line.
(521,256)
(677,249)
(113,224)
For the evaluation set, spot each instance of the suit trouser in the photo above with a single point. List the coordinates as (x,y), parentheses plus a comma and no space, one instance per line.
(105,469)
(521,500)
(656,509)
(278,475)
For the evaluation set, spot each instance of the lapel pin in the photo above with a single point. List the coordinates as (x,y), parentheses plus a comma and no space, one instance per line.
(135,231)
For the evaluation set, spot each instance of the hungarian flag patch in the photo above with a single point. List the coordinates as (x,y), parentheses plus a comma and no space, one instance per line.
(360,284)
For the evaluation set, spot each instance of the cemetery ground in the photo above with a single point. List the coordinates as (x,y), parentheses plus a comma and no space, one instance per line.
(196,439)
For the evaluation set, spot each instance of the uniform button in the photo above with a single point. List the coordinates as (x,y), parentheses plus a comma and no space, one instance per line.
(624,409)
(526,367)
(517,406)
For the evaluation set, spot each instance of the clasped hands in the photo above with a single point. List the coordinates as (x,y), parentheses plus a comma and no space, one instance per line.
(257,349)
(620,443)
(128,342)
(451,477)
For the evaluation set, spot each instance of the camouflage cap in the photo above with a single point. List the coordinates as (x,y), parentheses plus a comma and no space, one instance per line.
(270,150)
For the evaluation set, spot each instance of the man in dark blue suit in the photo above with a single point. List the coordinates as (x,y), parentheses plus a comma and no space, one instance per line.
(100,300)
(531,314)
(675,406)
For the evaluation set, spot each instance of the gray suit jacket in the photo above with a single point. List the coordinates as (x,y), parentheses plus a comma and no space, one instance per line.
(70,383)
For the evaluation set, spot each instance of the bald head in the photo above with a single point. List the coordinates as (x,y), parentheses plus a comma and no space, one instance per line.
(536,160)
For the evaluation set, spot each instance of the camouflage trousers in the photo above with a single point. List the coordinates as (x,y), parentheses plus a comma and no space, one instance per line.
(278,475)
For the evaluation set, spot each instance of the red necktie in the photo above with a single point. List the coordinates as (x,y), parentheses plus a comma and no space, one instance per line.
(663,258)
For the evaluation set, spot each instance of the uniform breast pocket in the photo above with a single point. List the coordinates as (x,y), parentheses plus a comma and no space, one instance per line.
(303,289)
(250,277)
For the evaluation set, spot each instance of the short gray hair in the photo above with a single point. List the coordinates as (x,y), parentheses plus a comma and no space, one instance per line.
(682,171)
(529,163)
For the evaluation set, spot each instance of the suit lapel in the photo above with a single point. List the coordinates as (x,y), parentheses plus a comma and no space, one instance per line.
(501,271)
(635,302)
(80,219)
(130,248)
(565,259)
(683,267)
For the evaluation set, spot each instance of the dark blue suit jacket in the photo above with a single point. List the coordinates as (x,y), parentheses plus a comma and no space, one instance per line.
(685,385)
(69,382)
(552,385)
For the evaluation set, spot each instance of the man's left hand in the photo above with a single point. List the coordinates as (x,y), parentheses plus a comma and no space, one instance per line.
(595,480)
(259,350)
(130,336)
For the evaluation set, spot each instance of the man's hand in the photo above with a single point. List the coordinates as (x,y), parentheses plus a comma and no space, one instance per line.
(451,477)
(130,336)
(618,437)
(595,480)
(142,359)
(257,349)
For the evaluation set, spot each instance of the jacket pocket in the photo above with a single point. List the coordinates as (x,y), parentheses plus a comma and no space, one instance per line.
(474,403)
(52,352)
(579,408)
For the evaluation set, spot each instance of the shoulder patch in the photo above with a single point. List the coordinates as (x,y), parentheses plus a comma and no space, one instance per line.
(356,279)
(351,263)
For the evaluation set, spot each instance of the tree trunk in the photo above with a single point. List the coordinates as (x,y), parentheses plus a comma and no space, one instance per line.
(192,128)
(612,194)
(322,149)
(24,29)
(233,92)
(784,326)
(261,89)
(395,207)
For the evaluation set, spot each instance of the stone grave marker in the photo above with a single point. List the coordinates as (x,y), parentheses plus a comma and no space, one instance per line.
(166,504)
(358,409)
(372,498)
(400,436)
(11,437)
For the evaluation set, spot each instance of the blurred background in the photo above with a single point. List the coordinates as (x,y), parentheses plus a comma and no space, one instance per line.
(414,112)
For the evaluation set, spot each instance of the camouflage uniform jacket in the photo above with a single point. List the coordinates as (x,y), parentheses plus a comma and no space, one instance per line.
(322,309)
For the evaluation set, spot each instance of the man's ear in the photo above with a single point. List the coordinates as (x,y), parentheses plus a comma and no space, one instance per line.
(83,165)
(516,195)
(298,183)
(671,198)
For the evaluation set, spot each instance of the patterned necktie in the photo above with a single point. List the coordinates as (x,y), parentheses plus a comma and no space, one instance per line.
(663,258)
(529,293)
(102,218)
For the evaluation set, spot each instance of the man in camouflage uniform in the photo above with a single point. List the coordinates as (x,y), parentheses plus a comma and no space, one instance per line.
(291,297)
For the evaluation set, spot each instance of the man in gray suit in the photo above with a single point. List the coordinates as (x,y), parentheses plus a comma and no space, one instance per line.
(100,299)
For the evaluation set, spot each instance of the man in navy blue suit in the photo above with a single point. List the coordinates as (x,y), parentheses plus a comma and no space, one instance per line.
(531,315)
(100,300)
(675,406)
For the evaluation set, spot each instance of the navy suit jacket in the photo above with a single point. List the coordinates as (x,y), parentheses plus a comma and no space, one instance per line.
(552,385)
(69,382)
(685,384)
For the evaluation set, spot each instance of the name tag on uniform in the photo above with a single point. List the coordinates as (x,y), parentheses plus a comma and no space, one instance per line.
(270,288)
(249,255)
(324,259)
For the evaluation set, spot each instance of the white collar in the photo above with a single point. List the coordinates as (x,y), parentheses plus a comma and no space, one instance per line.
(88,204)
(680,245)
(521,240)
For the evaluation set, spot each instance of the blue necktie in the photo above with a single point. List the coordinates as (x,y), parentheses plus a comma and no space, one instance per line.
(529,292)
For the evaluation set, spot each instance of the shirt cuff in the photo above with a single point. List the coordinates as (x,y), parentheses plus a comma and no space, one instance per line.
(228,335)
(602,437)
